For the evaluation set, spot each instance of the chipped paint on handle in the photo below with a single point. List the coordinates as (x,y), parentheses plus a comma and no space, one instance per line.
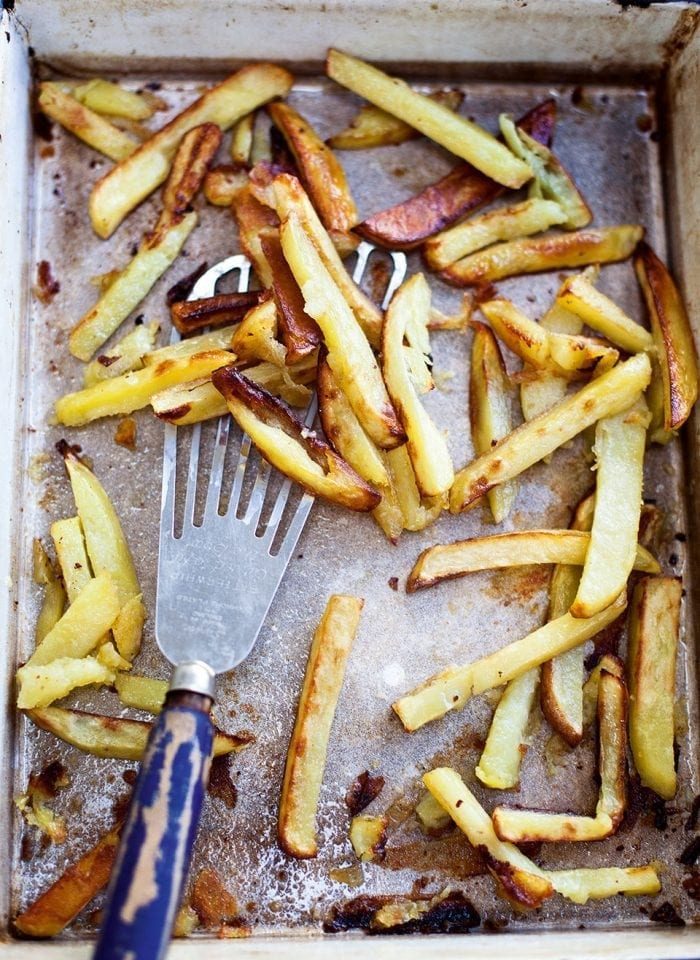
(154,855)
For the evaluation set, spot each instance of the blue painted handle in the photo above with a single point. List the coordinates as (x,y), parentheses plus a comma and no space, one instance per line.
(154,854)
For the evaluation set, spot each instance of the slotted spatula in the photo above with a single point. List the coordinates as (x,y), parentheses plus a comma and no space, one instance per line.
(216,581)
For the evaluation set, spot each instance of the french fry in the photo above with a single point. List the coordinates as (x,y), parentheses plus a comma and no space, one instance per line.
(102,96)
(190,164)
(349,353)
(41,685)
(611,664)
(673,337)
(89,126)
(256,336)
(131,181)
(564,355)
(610,394)
(651,664)
(319,168)
(619,449)
(551,252)
(489,410)
(242,140)
(506,223)
(223,183)
(344,432)
(522,880)
(552,180)
(455,321)
(586,884)
(374,127)
(432,465)
(132,391)
(217,339)
(286,194)
(287,445)
(561,679)
(155,255)
(54,601)
(108,656)
(451,689)
(578,295)
(432,818)
(142,693)
(526,826)
(299,333)
(69,543)
(114,737)
(464,189)
(199,400)
(540,390)
(452,131)
(220,309)
(128,628)
(655,397)
(108,552)
(448,561)
(74,889)
(612,737)
(499,764)
(84,623)
(124,356)
(254,219)
(309,743)
(418,512)
(368,836)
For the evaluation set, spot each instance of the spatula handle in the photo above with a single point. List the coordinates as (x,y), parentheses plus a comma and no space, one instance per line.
(154,854)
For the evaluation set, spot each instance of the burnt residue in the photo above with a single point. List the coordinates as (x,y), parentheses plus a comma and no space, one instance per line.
(47,783)
(183,288)
(221,785)
(668,915)
(641,801)
(46,286)
(106,361)
(691,885)
(690,854)
(120,807)
(362,792)
(692,822)
(453,914)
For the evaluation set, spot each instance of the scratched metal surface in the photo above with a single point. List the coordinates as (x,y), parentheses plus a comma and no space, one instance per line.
(605,137)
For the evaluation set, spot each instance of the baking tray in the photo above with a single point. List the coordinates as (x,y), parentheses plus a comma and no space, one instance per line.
(631,158)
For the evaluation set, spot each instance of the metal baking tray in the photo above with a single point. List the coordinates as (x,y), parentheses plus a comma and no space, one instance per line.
(625,81)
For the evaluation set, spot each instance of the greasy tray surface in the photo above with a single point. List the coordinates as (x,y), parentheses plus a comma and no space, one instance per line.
(602,139)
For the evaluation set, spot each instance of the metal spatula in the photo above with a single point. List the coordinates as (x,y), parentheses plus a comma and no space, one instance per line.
(216,581)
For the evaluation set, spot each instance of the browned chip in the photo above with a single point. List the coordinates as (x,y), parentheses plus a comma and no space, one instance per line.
(192,160)
(409,223)
(73,890)
(297,330)
(191,315)
(307,459)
